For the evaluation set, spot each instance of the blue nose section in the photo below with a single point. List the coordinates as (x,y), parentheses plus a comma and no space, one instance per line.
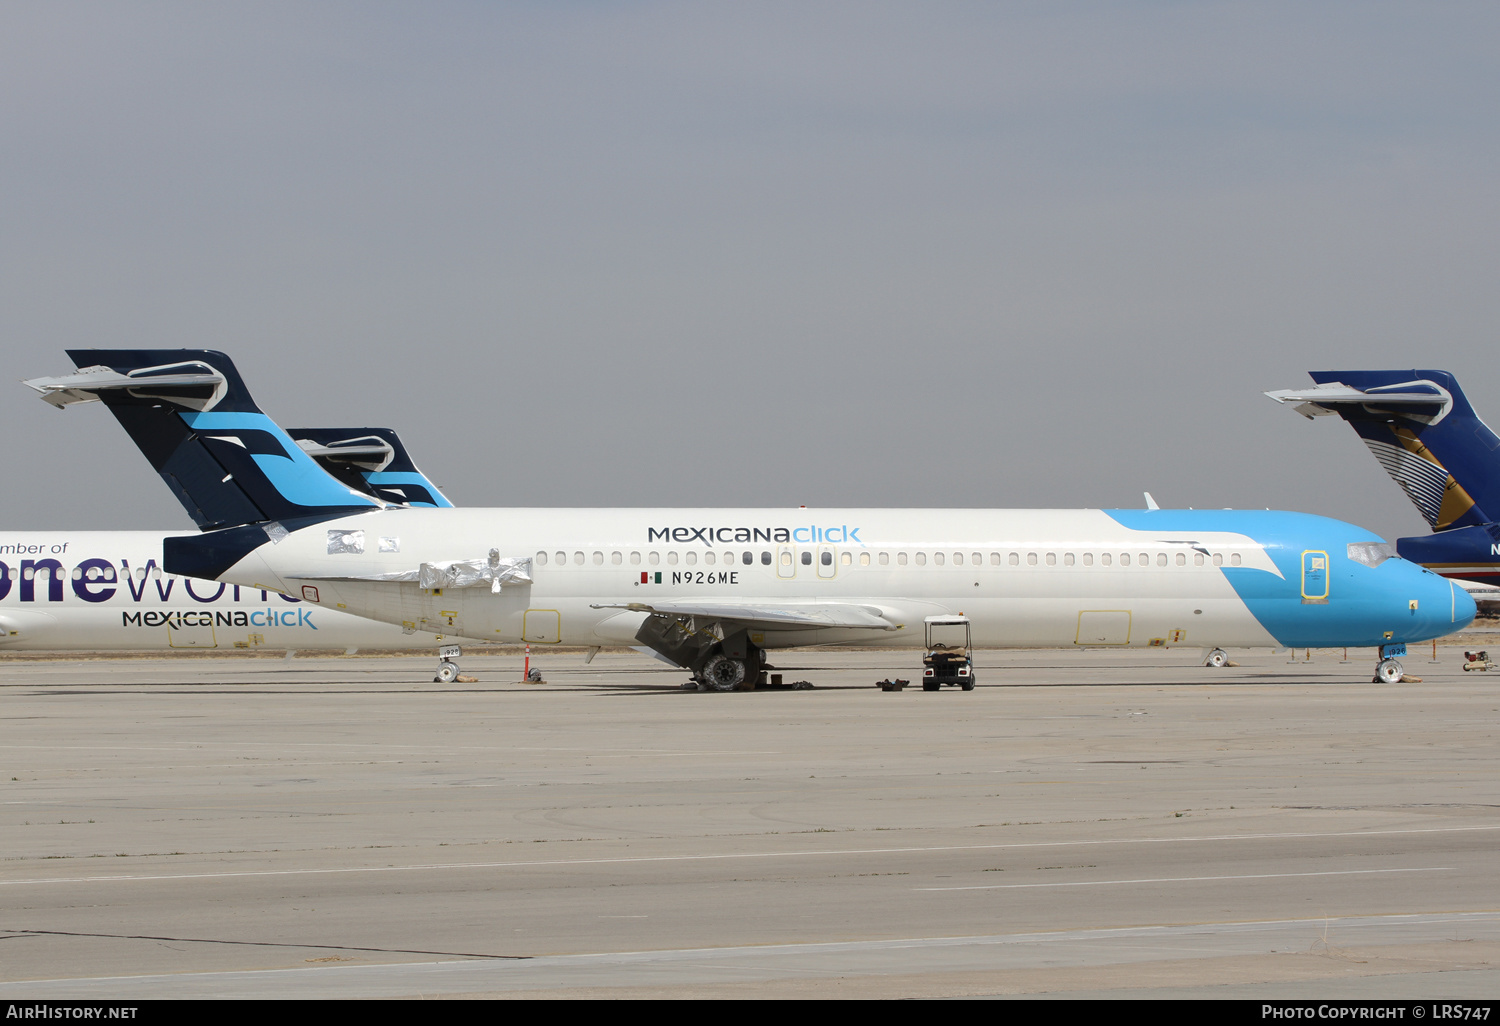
(1434,605)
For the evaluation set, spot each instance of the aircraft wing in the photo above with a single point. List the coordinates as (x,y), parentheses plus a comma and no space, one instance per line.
(769,617)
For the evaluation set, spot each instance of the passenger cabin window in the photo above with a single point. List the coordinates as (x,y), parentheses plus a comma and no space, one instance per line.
(864,559)
(1067,559)
(691,558)
(562,559)
(826,558)
(1234,559)
(1182,559)
(1088,559)
(1031,559)
(653,558)
(921,559)
(900,559)
(885,559)
(616,558)
(1197,559)
(748,558)
(1051,559)
(541,559)
(1218,559)
(1104,559)
(578,558)
(671,559)
(709,558)
(635,559)
(1124,559)
(937,559)
(786,559)
(994,559)
(598,559)
(806,558)
(1015,559)
(1161,559)
(765,559)
(846,558)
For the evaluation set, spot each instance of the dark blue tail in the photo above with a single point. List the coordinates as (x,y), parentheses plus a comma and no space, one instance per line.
(1442,455)
(373,460)
(191,415)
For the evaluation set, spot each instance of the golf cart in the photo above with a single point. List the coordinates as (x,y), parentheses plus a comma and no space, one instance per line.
(947,660)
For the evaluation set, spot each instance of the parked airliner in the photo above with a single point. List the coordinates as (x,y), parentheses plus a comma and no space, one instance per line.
(105,590)
(712,590)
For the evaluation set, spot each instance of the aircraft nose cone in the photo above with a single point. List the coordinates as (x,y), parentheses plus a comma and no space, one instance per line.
(1439,607)
(1464,607)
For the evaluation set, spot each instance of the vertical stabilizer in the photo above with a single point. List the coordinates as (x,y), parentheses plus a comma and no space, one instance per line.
(192,417)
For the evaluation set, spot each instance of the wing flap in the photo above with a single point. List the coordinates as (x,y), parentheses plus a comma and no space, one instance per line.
(809,615)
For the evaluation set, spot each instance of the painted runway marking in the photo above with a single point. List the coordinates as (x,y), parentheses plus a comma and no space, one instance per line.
(806,853)
(801,952)
(1185,879)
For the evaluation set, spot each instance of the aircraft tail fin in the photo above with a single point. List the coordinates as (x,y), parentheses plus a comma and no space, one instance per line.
(373,460)
(1421,429)
(192,417)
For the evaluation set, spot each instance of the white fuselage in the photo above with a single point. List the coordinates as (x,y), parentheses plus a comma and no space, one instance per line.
(105,591)
(1025,578)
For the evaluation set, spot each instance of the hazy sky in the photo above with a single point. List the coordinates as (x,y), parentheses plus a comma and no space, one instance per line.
(968,254)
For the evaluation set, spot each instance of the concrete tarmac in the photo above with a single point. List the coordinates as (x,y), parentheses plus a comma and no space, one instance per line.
(1084,824)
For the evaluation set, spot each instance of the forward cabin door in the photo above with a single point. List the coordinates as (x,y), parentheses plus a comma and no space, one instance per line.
(1314,577)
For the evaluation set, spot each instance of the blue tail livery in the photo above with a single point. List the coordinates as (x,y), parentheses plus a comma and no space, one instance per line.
(372,460)
(190,414)
(1421,428)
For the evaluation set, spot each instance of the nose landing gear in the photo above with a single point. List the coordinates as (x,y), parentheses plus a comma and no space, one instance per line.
(447,668)
(1388,671)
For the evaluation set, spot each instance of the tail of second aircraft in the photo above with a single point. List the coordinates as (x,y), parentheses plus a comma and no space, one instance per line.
(1423,431)
(190,414)
(373,460)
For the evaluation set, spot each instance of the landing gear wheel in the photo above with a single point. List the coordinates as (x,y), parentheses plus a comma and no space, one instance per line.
(1389,672)
(447,673)
(724,673)
(1218,659)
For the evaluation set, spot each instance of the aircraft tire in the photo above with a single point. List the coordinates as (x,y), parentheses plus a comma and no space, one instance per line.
(1389,672)
(1218,659)
(447,673)
(724,673)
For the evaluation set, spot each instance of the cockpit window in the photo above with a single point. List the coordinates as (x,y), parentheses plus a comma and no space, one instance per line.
(1372,553)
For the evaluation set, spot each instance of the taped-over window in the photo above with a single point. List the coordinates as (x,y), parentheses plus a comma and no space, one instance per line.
(1371,553)
(351,542)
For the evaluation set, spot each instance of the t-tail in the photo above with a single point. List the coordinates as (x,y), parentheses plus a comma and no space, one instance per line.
(1421,428)
(373,460)
(241,478)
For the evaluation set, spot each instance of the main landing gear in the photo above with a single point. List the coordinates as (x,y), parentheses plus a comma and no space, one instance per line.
(725,672)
